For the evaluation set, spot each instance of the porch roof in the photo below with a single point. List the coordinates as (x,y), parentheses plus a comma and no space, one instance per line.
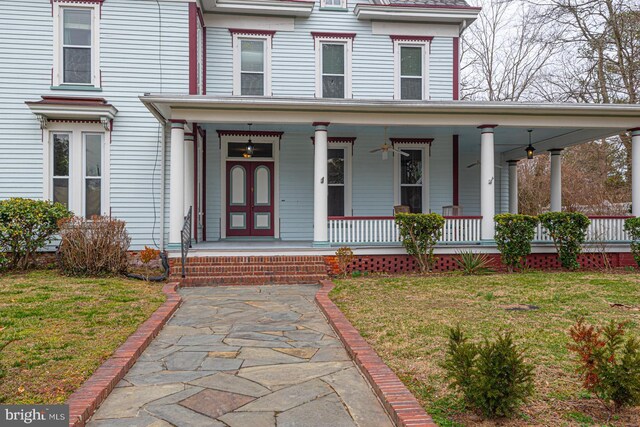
(563,124)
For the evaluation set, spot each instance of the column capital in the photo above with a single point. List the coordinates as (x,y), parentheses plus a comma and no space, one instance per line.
(556,151)
(178,123)
(487,128)
(320,125)
(634,131)
(189,136)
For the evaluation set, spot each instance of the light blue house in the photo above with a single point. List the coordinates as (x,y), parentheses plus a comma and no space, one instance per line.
(281,125)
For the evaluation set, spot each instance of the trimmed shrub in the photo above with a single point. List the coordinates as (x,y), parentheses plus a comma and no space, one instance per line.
(608,364)
(632,226)
(473,263)
(568,231)
(27,225)
(514,234)
(493,376)
(93,247)
(344,257)
(419,234)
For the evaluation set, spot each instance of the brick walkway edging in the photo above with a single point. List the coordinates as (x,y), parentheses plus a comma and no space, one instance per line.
(84,401)
(400,404)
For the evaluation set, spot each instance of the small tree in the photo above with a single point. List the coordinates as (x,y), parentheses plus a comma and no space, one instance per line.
(344,257)
(632,226)
(514,234)
(492,376)
(608,364)
(568,231)
(27,225)
(419,234)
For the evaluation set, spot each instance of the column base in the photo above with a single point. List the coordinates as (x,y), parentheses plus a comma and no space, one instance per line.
(321,244)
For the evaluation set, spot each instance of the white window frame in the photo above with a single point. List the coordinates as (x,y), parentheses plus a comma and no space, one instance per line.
(426,203)
(58,38)
(76,133)
(348,174)
(237,58)
(342,5)
(348,52)
(426,51)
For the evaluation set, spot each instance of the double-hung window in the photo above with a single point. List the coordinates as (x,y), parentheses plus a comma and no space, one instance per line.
(252,65)
(412,177)
(76,45)
(76,172)
(333,4)
(411,70)
(333,64)
(339,178)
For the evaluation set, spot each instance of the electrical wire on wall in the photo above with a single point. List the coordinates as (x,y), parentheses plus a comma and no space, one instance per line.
(159,134)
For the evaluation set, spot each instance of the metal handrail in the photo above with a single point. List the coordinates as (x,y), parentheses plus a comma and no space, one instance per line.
(185,241)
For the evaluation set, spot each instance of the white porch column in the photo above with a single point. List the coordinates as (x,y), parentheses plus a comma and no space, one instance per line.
(189,173)
(513,186)
(487,183)
(635,172)
(320,187)
(556,180)
(176,183)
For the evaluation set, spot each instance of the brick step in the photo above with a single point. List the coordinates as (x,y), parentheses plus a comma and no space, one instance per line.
(251,260)
(203,271)
(252,280)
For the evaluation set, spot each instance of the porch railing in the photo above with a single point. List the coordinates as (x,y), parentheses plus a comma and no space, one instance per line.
(457,229)
(383,229)
(185,239)
(601,229)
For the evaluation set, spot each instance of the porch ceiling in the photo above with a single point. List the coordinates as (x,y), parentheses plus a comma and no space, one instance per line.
(555,125)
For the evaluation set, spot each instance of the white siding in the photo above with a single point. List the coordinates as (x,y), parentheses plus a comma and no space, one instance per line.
(293,59)
(129,64)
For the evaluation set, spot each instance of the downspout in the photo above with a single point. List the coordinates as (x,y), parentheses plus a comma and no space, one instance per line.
(163,182)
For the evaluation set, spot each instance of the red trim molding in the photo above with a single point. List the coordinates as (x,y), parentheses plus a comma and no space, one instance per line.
(487,126)
(399,38)
(368,218)
(177,121)
(633,130)
(84,401)
(204,60)
(314,124)
(321,35)
(193,49)
(456,170)
(337,140)
(403,408)
(245,32)
(71,100)
(456,68)
(252,133)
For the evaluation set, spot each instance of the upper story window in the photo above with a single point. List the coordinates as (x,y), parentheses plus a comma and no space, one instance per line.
(333,4)
(411,67)
(76,44)
(252,63)
(333,65)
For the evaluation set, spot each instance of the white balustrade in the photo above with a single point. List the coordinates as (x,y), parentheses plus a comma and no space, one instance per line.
(383,230)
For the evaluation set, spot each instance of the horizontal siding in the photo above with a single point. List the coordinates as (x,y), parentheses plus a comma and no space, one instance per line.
(441,174)
(130,50)
(293,59)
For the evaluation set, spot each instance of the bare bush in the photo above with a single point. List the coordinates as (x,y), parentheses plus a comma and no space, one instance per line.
(93,247)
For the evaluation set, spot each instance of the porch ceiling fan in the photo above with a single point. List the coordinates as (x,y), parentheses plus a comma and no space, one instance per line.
(385,148)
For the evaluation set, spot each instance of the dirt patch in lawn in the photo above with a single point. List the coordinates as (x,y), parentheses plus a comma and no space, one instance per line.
(406,319)
(56,330)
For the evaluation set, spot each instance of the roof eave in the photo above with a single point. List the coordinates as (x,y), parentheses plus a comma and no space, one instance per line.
(451,15)
(297,8)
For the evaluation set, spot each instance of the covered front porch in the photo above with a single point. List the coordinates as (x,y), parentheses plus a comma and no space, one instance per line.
(312,182)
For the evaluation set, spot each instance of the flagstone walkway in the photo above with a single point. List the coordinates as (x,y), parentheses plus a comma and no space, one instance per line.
(244,357)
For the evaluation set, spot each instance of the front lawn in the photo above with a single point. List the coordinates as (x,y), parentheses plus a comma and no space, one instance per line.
(56,330)
(406,320)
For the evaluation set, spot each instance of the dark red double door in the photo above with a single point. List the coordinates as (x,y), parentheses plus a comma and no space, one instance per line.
(250,199)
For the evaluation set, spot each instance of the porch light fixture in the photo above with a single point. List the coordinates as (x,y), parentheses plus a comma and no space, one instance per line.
(530,148)
(248,149)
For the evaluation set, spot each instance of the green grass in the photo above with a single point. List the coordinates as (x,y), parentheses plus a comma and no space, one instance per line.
(56,330)
(406,319)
